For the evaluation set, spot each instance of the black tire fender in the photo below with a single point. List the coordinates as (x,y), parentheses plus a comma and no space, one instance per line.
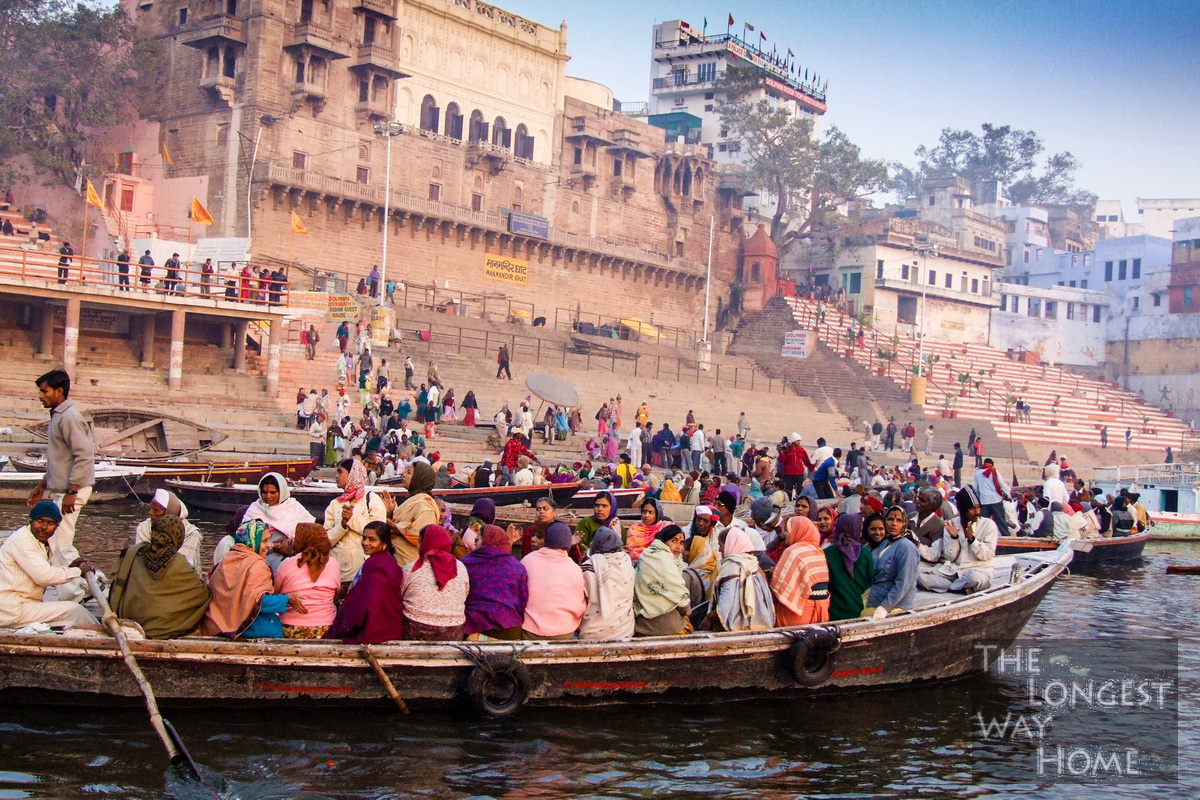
(810,657)
(498,687)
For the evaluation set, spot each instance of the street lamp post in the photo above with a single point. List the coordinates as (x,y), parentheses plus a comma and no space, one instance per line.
(925,250)
(390,130)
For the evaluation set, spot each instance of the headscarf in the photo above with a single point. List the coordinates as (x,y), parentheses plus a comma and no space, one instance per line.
(612,506)
(251,533)
(495,536)
(285,515)
(658,584)
(435,549)
(640,534)
(736,542)
(169,502)
(483,475)
(847,538)
(605,541)
(801,575)
(558,536)
(356,484)
(312,546)
(484,510)
(421,481)
(239,584)
(166,537)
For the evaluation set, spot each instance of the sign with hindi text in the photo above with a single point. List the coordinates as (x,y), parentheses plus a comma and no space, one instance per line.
(513,271)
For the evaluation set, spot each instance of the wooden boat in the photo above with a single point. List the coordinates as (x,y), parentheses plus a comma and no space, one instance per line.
(157,473)
(315,495)
(587,497)
(1175,527)
(937,641)
(113,483)
(1121,548)
(132,433)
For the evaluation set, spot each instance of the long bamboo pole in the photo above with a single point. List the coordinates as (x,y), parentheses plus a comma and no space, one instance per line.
(388,686)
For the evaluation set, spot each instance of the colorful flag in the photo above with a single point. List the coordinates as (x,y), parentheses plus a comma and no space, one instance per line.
(200,214)
(762,36)
(166,154)
(93,199)
(298,224)
(747,26)
(731,20)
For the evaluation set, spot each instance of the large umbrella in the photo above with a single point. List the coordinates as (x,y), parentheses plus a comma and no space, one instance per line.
(552,390)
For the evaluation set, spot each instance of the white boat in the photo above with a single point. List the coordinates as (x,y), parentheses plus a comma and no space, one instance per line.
(1169,492)
(1175,527)
(112,483)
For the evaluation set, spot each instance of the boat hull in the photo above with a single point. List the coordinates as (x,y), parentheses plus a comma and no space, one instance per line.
(932,644)
(1170,527)
(157,473)
(149,435)
(1122,548)
(16,489)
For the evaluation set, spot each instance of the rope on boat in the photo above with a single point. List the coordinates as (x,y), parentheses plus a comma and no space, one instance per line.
(498,685)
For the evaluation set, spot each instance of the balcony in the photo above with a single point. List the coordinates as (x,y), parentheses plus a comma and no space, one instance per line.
(318,38)
(491,152)
(218,28)
(381,109)
(303,90)
(982,298)
(383,8)
(379,59)
(628,141)
(622,184)
(583,129)
(686,83)
(732,179)
(218,82)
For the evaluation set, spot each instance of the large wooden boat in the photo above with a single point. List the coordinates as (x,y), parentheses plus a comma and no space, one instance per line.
(937,641)
(157,473)
(112,483)
(315,495)
(1122,548)
(133,433)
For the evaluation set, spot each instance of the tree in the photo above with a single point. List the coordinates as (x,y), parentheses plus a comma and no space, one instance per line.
(809,176)
(70,70)
(1001,153)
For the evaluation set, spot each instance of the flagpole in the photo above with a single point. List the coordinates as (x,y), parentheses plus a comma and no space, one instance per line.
(83,244)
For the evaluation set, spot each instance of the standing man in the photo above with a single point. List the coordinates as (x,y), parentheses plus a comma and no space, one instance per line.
(208,274)
(373,280)
(146,267)
(311,339)
(1128,437)
(123,269)
(409,371)
(172,265)
(929,441)
(877,435)
(992,491)
(889,438)
(743,426)
(1104,438)
(718,449)
(70,471)
(959,458)
(64,261)
(979,453)
(635,446)
(699,444)
(502,363)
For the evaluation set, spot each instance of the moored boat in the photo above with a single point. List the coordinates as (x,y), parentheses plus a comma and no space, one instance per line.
(158,473)
(134,433)
(112,483)
(315,495)
(586,498)
(936,641)
(1170,493)
(1088,551)
(1175,527)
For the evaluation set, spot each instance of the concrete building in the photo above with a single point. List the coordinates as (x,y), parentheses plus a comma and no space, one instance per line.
(1109,216)
(1062,325)
(1159,215)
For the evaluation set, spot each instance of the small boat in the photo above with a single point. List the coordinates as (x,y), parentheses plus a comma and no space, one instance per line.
(133,433)
(1087,551)
(1175,527)
(112,483)
(315,495)
(587,497)
(157,473)
(938,640)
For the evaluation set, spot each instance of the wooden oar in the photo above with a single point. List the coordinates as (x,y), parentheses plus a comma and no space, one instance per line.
(1183,569)
(178,755)
(388,686)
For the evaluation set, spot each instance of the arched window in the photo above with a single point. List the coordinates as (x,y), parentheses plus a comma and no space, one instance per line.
(501,135)
(230,62)
(212,62)
(436,173)
(522,143)
(478,130)
(454,122)
(429,114)
(686,187)
(518,194)
(755,273)
(575,207)
(478,183)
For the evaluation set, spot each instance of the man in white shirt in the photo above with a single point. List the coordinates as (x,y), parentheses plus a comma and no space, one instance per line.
(1054,490)
(699,443)
(635,446)
(963,556)
(26,573)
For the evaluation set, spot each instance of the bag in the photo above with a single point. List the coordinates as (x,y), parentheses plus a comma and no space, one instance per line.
(599,414)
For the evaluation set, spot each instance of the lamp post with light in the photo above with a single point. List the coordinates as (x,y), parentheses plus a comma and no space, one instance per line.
(390,130)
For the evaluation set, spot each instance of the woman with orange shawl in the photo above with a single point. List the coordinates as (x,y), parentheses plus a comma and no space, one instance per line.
(417,511)
(801,578)
(243,606)
(642,532)
(312,576)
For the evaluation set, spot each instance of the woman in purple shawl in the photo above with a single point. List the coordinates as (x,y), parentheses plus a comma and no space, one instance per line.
(851,567)
(499,587)
(373,611)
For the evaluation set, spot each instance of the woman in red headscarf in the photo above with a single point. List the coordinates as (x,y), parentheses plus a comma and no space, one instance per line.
(435,590)
(800,581)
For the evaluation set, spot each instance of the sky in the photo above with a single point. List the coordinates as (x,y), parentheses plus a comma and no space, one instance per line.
(1116,83)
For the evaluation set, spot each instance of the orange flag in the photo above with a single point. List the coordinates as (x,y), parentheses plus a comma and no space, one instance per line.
(298,224)
(200,214)
(93,199)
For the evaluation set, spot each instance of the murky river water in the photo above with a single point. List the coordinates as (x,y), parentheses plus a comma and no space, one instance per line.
(914,742)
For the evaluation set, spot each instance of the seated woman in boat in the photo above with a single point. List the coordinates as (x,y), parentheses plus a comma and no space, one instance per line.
(700,555)
(243,604)
(435,591)
(156,587)
(281,512)
(604,515)
(641,533)
(312,576)
(608,579)
(162,504)
(348,514)
(851,565)
(533,537)
(373,611)
(26,573)
(800,581)
(499,587)
(418,510)
(742,598)
(826,517)
(897,563)
(962,558)
(661,599)
(483,513)
(1124,523)
(556,588)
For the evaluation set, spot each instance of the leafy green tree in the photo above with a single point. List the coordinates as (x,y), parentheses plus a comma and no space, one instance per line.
(1001,153)
(808,176)
(70,69)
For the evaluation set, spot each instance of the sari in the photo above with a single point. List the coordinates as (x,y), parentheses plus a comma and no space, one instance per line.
(418,510)
(373,611)
(608,578)
(641,535)
(285,515)
(661,599)
(499,587)
(741,592)
(240,585)
(801,578)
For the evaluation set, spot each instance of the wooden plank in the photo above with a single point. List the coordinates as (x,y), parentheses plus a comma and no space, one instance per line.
(128,432)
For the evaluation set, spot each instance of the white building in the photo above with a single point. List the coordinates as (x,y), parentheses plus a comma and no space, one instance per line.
(1063,325)
(1110,217)
(1158,215)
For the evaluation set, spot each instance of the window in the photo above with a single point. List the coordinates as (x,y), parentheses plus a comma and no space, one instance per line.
(1095,313)
(127,198)
(1051,309)
(364,151)
(429,114)
(879,270)
(974,285)
(708,95)
(1070,311)
(183,16)
(501,135)
(1122,268)
(962,284)
(1035,307)
(1026,254)
(477,202)
(1137,269)
(931,279)
(1137,303)
(949,281)
(708,106)
(477,131)
(1112,218)
(904,272)
(1004,302)
(706,72)
(435,192)
(854,283)
(906,310)
(575,207)
(1187,296)
(454,122)
(523,143)
(578,159)
(755,272)
(1156,299)
(1071,284)
(679,77)
(299,160)
(932,200)
(1108,270)
(363,175)
(1083,284)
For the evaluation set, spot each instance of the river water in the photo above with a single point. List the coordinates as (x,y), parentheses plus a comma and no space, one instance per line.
(903,743)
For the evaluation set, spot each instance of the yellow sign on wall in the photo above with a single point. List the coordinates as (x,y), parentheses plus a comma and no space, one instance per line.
(342,308)
(513,271)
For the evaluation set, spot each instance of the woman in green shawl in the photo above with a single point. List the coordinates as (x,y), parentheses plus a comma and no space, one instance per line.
(661,600)
(156,587)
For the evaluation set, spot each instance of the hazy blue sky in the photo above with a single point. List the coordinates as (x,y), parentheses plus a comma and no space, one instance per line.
(1115,82)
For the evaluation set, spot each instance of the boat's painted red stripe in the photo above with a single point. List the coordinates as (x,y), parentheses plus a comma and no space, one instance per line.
(844,673)
(288,687)
(603,685)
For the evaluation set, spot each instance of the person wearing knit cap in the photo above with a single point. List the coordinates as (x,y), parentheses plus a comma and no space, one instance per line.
(557,599)
(166,503)
(963,556)
(26,573)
